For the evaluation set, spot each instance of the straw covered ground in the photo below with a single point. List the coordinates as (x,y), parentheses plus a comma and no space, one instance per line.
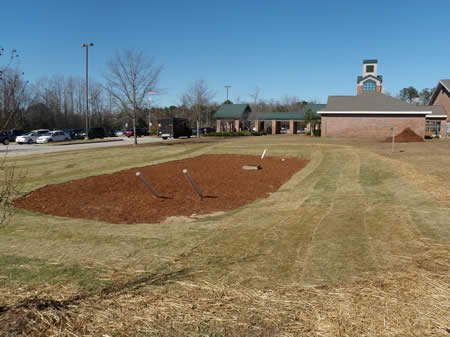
(356,243)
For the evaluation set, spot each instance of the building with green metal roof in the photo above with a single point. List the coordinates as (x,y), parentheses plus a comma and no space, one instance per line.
(233,111)
(234,117)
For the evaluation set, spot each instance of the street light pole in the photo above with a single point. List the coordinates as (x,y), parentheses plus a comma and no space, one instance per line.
(151,92)
(228,87)
(87,45)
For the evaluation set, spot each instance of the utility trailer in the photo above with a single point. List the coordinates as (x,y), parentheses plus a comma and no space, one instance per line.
(174,127)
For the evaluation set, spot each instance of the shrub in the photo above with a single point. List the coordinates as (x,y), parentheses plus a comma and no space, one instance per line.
(235,134)
(428,137)
(10,187)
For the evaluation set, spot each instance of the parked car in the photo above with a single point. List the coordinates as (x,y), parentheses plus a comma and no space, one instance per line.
(120,132)
(53,136)
(6,138)
(110,133)
(28,138)
(13,134)
(77,133)
(206,130)
(139,132)
(94,133)
(41,131)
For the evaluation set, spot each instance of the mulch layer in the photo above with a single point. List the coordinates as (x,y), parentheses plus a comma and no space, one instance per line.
(406,136)
(122,197)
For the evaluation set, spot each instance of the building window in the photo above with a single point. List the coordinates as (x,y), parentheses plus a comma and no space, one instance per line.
(369,69)
(433,126)
(369,86)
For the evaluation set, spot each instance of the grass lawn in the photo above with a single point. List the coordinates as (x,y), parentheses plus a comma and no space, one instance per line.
(357,243)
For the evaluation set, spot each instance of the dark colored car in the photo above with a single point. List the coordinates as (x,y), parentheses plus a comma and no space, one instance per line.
(139,132)
(174,127)
(207,130)
(77,133)
(6,138)
(110,133)
(93,133)
(14,133)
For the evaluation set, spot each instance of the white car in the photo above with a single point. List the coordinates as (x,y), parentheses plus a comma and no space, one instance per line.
(28,138)
(53,136)
(41,132)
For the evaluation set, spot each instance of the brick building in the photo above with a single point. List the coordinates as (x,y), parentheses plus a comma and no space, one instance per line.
(237,117)
(372,114)
(232,117)
(440,97)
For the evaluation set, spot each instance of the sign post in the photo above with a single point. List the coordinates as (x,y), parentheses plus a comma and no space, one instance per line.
(393,138)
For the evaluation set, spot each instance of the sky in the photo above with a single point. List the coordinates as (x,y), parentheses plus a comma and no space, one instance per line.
(307,49)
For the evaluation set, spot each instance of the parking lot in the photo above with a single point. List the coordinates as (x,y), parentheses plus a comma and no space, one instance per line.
(14,149)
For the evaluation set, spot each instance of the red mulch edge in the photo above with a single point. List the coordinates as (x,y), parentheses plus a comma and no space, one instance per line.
(406,136)
(122,197)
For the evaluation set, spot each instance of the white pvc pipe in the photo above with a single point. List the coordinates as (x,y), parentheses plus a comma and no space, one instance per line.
(263,154)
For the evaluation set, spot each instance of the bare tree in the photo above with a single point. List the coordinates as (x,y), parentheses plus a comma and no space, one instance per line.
(12,96)
(12,90)
(11,187)
(198,97)
(131,76)
(255,97)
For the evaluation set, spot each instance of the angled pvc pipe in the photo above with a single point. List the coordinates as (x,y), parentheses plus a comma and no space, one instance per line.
(138,174)
(191,181)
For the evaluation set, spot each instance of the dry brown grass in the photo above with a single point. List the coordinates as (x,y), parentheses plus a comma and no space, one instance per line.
(412,302)
(356,244)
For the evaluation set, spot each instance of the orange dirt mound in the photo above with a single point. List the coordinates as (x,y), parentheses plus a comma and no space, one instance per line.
(122,197)
(406,136)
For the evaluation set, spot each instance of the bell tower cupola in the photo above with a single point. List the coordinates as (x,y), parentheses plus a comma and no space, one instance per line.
(370,80)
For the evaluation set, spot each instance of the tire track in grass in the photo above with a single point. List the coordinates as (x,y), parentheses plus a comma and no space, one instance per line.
(260,245)
(428,207)
(401,218)
(339,250)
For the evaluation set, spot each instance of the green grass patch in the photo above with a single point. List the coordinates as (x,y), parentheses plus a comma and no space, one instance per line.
(18,269)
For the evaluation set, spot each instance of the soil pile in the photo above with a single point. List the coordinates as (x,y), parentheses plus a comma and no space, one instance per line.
(406,136)
(122,197)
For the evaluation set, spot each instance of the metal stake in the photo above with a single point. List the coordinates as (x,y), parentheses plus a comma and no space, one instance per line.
(138,174)
(194,186)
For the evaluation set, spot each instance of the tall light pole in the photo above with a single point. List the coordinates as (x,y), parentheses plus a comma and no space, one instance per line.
(87,45)
(150,93)
(228,87)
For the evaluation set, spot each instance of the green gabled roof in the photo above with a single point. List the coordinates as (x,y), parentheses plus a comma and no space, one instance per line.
(232,111)
(287,116)
(370,61)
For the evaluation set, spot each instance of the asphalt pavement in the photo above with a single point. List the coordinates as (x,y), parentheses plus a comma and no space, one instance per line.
(14,149)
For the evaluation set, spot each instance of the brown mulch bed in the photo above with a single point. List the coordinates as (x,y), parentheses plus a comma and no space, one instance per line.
(121,197)
(406,136)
